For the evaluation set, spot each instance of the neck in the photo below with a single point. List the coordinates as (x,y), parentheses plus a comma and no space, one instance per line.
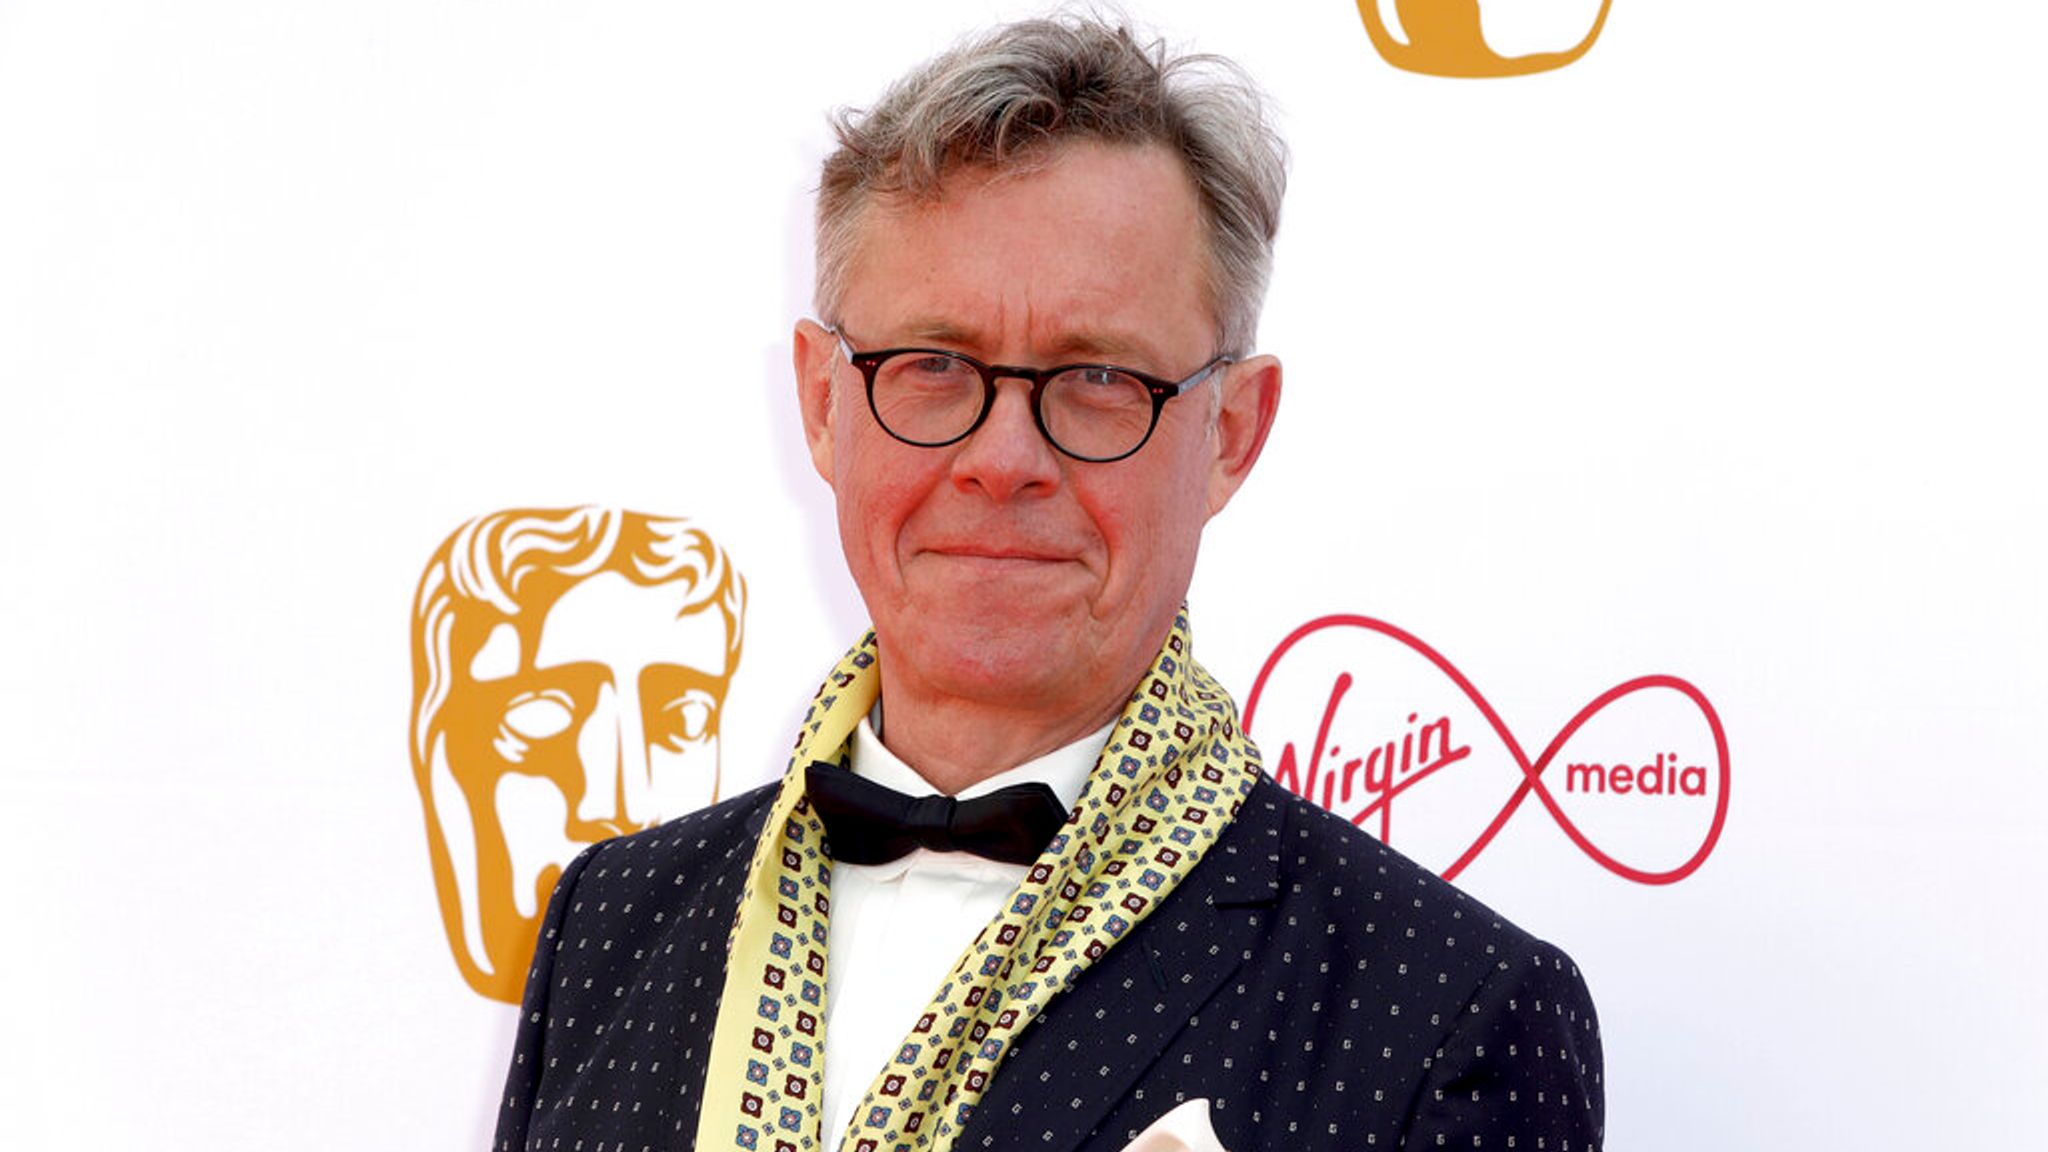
(956,742)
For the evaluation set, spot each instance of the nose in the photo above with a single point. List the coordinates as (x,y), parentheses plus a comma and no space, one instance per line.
(1008,457)
(613,749)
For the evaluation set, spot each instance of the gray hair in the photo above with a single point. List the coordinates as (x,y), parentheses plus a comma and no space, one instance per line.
(1005,100)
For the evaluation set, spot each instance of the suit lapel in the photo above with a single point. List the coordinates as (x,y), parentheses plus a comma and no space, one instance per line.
(697,938)
(1090,1048)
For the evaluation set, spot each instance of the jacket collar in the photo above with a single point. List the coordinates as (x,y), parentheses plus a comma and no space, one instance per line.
(1092,1046)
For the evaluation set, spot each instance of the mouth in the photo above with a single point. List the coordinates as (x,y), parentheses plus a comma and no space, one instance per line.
(976,549)
(998,558)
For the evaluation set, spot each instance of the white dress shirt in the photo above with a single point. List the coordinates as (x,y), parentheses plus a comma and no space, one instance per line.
(898,928)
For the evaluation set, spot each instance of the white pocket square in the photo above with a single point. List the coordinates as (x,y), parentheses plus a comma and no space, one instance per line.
(1185,1129)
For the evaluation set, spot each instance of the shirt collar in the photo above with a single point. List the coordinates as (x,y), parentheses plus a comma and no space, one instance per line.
(1065,770)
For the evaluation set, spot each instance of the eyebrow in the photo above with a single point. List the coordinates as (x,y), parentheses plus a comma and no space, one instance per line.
(1083,344)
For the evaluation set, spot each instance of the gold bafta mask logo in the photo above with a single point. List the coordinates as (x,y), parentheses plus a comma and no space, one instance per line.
(1449,37)
(569,667)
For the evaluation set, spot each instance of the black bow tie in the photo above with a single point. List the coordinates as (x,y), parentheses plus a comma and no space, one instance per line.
(870,824)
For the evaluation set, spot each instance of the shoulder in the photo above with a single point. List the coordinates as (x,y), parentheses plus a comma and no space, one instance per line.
(1337,872)
(1492,1008)
(1397,934)
(688,867)
(723,833)
(626,974)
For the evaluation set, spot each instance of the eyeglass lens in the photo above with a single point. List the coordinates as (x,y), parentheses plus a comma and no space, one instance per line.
(933,398)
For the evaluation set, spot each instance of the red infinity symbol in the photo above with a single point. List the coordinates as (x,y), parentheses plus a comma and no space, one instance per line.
(1531,770)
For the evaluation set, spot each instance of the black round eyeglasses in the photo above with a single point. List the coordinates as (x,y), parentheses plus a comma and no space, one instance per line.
(1093,412)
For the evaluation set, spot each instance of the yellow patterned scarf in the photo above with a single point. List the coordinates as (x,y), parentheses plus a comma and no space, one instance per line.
(1171,777)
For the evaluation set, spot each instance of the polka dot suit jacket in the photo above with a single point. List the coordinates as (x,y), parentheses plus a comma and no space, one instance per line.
(1321,990)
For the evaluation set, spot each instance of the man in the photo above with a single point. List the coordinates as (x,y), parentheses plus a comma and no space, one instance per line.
(1040,263)
(569,667)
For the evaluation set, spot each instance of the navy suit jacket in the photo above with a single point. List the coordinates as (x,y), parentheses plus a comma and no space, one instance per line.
(1321,990)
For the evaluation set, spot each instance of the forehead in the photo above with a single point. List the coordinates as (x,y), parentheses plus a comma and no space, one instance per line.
(1098,251)
(608,619)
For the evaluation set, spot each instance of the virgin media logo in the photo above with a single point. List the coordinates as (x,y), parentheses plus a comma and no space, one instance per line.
(1375,725)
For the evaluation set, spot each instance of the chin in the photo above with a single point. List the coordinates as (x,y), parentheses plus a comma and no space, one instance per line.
(988,658)
(994,640)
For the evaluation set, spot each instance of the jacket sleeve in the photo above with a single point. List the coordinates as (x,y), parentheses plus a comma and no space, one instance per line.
(522,1095)
(1520,1067)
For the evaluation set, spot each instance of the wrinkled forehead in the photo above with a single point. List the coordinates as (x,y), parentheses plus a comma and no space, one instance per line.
(1100,251)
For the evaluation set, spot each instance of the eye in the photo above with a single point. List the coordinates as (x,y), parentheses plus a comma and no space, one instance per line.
(926,370)
(1094,389)
(539,715)
(687,719)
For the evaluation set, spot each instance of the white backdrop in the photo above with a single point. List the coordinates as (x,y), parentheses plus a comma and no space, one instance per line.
(1716,354)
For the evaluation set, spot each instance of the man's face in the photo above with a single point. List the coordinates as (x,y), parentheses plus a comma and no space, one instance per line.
(602,719)
(997,568)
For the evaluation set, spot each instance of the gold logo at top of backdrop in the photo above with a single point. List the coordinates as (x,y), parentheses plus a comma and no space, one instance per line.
(569,667)
(1448,37)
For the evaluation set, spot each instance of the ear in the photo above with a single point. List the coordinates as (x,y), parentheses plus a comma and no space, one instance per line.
(1251,399)
(815,353)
